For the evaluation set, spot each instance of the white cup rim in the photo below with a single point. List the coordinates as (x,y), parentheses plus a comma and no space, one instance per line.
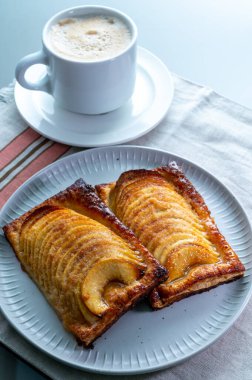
(68,11)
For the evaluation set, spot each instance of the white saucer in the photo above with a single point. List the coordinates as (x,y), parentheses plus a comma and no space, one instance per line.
(147,107)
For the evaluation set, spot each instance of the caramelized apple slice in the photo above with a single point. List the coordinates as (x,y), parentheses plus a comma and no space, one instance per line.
(183,258)
(90,317)
(103,272)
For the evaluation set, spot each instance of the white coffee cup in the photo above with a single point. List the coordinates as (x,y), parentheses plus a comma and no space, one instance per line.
(81,86)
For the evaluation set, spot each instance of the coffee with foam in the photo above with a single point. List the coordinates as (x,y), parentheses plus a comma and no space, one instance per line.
(90,38)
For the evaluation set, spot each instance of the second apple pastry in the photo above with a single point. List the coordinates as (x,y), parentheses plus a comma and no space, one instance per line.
(172,221)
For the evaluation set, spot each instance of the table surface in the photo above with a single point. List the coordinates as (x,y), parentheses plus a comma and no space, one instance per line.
(207,42)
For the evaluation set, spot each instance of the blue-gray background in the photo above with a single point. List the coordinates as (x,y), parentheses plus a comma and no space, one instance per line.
(208,42)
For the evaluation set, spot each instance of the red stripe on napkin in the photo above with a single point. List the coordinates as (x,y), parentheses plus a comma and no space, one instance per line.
(17,146)
(48,156)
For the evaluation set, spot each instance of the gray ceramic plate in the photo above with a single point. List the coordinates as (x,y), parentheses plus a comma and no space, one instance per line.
(142,340)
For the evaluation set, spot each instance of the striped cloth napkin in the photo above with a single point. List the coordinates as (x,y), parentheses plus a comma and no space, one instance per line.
(23,152)
(201,126)
(23,156)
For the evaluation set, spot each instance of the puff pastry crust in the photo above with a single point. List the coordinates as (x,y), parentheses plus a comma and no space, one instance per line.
(172,221)
(89,266)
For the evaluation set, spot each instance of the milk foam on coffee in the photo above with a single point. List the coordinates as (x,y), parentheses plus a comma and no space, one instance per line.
(90,38)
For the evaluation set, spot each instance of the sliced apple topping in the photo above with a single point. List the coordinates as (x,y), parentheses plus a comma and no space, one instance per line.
(104,272)
(182,258)
(90,317)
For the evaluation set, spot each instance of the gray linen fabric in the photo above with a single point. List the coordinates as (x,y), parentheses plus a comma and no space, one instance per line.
(215,133)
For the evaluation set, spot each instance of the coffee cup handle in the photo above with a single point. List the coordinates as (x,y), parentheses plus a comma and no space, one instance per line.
(42,84)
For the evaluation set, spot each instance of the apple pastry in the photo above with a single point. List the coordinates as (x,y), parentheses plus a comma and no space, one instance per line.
(171,219)
(89,266)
